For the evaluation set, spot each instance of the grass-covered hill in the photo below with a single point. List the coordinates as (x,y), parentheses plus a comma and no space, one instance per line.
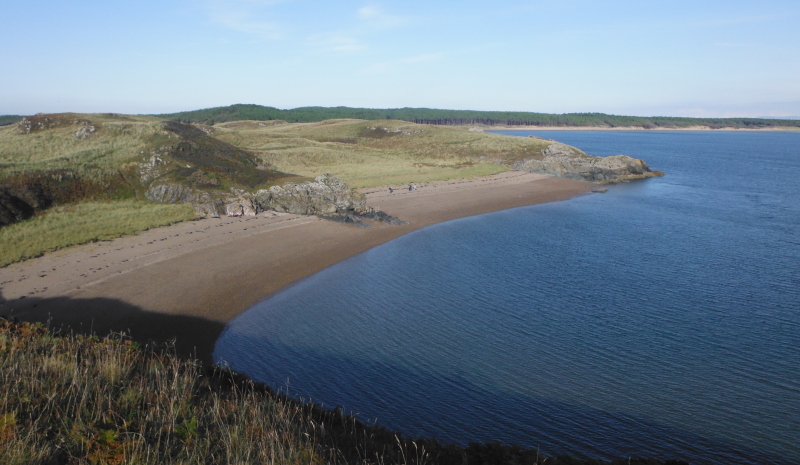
(77,178)
(84,400)
(468,117)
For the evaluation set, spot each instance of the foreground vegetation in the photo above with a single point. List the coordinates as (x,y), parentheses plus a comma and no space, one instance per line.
(85,400)
(85,222)
(468,117)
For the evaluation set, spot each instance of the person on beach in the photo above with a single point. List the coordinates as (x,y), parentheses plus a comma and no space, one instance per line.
(409,187)
(391,190)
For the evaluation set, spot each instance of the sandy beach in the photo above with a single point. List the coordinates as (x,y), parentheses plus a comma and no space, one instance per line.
(185,282)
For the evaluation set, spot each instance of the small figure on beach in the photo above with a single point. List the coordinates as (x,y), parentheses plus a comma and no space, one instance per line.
(391,190)
(409,187)
(413,186)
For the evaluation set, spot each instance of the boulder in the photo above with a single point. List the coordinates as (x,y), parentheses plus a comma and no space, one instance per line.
(85,132)
(327,195)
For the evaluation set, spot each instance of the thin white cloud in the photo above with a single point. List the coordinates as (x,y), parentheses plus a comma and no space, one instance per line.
(376,18)
(245,16)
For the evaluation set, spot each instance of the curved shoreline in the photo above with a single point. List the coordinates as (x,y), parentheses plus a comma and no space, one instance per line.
(186,281)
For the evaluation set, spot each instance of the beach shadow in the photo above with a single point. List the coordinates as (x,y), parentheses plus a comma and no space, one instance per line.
(454,409)
(193,337)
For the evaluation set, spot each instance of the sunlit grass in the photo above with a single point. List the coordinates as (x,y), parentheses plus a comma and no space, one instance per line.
(82,223)
(113,143)
(375,153)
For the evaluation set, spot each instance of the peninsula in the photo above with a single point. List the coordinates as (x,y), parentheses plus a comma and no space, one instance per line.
(268,203)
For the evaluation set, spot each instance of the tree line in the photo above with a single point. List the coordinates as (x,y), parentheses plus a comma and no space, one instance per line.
(466,117)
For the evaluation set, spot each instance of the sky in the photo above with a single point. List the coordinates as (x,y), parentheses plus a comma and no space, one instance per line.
(648,58)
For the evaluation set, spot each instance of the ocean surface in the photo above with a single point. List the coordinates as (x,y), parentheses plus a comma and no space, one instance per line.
(660,319)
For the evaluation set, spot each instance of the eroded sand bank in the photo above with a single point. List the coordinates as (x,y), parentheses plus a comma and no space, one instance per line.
(186,281)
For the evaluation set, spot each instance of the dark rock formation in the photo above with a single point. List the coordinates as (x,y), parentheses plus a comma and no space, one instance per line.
(563,161)
(327,196)
(13,208)
(44,121)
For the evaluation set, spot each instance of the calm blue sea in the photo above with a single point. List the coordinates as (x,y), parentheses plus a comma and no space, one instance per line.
(659,319)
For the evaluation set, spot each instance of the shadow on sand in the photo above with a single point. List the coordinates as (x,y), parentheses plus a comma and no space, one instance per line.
(193,336)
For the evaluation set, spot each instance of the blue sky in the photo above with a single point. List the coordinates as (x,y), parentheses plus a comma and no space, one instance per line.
(676,58)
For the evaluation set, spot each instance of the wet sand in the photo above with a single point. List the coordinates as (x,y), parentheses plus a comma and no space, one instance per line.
(185,282)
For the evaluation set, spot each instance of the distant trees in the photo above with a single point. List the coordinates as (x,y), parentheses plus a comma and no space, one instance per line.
(465,117)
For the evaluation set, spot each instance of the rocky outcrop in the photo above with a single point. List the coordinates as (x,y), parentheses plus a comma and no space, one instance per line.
(205,203)
(327,196)
(85,132)
(42,121)
(563,161)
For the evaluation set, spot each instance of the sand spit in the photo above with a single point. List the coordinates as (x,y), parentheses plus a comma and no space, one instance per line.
(185,281)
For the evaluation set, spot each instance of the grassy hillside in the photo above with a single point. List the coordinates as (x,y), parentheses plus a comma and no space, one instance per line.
(375,153)
(102,165)
(84,222)
(85,400)
(78,178)
(467,117)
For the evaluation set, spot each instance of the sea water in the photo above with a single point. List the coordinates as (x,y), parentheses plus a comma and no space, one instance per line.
(659,319)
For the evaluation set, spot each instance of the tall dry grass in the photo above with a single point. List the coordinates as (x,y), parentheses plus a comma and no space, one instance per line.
(87,400)
(82,223)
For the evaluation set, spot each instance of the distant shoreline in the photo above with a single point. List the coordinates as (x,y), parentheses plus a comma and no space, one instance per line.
(631,128)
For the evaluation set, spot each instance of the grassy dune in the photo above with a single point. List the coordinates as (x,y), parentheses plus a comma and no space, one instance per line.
(81,223)
(117,140)
(374,153)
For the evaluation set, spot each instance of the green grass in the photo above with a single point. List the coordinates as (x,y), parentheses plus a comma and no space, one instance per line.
(81,223)
(113,144)
(250,155)
(376,153)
